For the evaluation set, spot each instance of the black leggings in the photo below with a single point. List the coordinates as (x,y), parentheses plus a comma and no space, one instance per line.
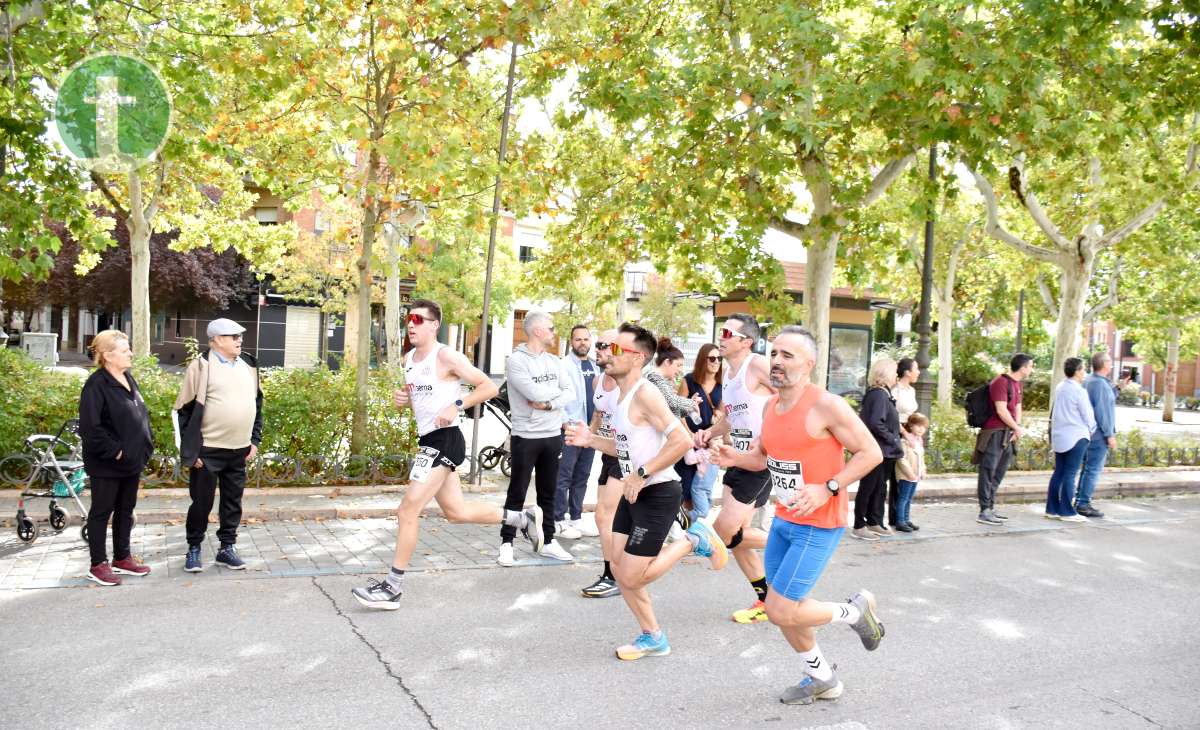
(530,457)
(115,497)
(872,492)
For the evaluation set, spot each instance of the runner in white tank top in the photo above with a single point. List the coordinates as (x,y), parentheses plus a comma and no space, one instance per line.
(648,441)
(434,377)
(638,445)
(744,397)
(428,394)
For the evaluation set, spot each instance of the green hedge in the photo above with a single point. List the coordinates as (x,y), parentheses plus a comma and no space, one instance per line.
(306,413)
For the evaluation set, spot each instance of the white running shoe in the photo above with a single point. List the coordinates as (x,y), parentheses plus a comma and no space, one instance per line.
(566,530)
(1074,518)
(553,550)
(675,534)
(506,555)
(586,529)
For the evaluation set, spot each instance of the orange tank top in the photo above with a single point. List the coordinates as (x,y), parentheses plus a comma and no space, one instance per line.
(794,458)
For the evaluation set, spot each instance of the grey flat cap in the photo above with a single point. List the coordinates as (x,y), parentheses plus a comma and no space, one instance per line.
(224,327)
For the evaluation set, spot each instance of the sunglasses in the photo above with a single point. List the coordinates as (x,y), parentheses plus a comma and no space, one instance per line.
(726,333)
(418,319)
(714,358)
(235,337)
(601,346)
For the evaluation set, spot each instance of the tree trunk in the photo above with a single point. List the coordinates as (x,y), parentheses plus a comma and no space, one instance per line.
(139,253)
(1171,375)
(1076,275)
(350,334)
(362,359)
(818,287)
(945,334)
(391,317)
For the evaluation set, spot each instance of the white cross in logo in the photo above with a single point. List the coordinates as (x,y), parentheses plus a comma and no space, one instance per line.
(107,101)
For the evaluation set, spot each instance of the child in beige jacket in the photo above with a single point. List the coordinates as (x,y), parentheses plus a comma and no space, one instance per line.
(910,469)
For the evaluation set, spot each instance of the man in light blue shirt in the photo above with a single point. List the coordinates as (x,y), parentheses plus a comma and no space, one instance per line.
(1104,404)
(576,464)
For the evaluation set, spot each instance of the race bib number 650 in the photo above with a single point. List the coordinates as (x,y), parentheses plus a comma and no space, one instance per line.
(423,464)
(786,478)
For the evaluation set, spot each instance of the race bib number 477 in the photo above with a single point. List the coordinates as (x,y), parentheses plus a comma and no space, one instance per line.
(786,478)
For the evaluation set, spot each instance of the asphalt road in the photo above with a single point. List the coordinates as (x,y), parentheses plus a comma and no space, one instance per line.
(1081,628)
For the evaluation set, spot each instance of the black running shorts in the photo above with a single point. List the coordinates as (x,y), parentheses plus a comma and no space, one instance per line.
(749,487)
(610,468)
(445,446)
(648,520)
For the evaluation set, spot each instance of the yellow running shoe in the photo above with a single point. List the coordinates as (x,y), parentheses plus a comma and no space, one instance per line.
(752,615)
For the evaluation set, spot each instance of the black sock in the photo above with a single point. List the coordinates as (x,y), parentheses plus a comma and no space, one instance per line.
(608,571)
(737,540)
(760,588)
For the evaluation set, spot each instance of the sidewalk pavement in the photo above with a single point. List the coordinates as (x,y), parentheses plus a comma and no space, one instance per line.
(380,501)
(321,547)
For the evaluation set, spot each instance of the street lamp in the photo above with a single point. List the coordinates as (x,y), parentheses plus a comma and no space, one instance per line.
(924,386)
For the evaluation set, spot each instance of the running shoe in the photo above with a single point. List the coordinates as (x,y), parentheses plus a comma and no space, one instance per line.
(566,530)
(683,518)
(862,533)
(645,645)
(533,527)
(587,529)
(709,544)
(988,517)
(103,575)
(809,690)
(553,550)
(129,566)
(753,615)
(505,557)
(192,563)
(228,557)
(604,587)
(1074,518)
(997,515)
(378,594)
(868,626)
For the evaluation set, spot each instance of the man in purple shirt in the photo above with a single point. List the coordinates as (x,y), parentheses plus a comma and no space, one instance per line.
(997,441)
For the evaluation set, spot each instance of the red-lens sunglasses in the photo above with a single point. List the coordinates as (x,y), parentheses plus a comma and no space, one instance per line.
(726,333)
(418,319)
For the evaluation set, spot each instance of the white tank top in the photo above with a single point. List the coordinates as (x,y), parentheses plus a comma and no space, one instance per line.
(637,445)
(743,408)
(429,393)
(605,403)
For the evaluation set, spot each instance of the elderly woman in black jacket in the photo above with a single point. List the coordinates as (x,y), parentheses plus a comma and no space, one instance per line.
(114,427)
(878,412)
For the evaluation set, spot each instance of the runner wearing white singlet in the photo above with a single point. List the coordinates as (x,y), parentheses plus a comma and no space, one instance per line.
(647,441)
(434,375)
(743,396)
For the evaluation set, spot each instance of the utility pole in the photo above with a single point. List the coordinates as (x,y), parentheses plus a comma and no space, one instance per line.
(485,318)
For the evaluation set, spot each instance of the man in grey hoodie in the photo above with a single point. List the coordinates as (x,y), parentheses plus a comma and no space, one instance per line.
(537,394)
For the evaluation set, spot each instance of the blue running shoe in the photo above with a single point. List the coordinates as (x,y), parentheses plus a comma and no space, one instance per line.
(192,563)
(228,557)
(709,544)
(645,645)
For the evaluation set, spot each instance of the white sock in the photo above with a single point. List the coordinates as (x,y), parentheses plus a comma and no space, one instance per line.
(513,518)
(815,665)
(843,613)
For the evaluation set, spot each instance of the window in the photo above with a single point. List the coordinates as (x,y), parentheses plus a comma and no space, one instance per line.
(1127,348)
(160,327)
(320,223)
(637,283)
(527,254)
(266,216)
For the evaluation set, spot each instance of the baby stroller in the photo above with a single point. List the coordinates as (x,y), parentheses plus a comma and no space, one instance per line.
(501,455)
(57,473)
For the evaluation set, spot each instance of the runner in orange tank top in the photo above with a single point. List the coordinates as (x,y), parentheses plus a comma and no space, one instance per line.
(804,434)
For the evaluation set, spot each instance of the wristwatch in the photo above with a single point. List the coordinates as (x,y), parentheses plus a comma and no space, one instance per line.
(833,486)
(641,472)
(458,404)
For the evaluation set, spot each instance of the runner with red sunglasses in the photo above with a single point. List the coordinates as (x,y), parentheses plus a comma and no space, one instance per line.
(434,375)
(745,391)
